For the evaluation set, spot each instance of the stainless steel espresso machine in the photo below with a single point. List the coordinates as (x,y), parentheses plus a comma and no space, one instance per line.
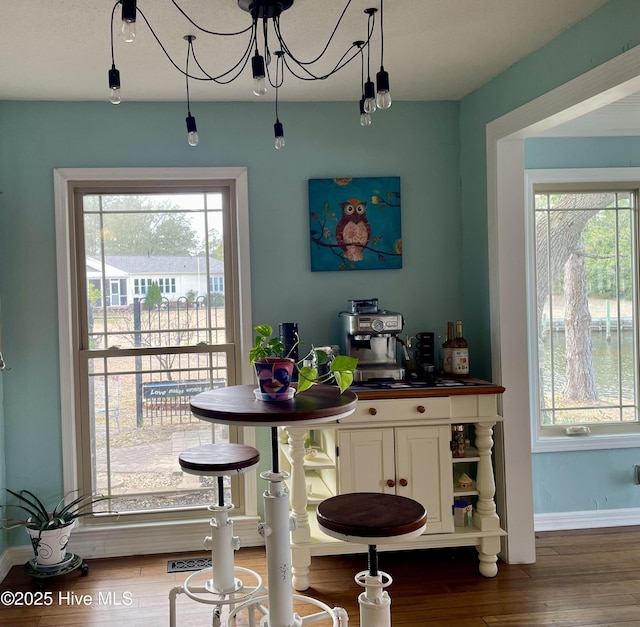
(370,334)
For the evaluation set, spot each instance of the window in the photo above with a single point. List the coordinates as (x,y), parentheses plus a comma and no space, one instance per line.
(135,366)
(217,284)
(584,271)
(167,286)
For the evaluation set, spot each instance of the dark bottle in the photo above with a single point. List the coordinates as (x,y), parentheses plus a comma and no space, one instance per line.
(447,348)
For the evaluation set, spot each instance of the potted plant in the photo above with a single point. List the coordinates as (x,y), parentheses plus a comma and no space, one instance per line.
(49,530)
(274,372)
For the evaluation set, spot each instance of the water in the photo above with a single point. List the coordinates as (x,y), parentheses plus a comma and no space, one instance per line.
(612,361)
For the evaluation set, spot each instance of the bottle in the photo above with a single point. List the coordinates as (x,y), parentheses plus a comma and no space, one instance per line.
(447,348)
(459,352)
(458,440)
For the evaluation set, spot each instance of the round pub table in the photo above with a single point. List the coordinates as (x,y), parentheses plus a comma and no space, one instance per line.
(237,405)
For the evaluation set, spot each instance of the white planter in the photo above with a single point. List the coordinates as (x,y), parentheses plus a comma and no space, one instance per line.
(50,545)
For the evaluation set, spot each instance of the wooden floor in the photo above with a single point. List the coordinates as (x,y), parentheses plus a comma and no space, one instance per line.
(581,579)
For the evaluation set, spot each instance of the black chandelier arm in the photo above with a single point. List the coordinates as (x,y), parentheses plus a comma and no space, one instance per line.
(381,33)
(241,64)
(186,72)
(276,26)
(113,12)
(279,75)
(310,76)
(342,62)
(238,68)
(371,28)
(204,30)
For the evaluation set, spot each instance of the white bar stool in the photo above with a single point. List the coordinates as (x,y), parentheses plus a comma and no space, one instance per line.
(372,518)
(222,586)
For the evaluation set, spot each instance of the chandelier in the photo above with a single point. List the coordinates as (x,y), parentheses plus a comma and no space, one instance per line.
(268,64)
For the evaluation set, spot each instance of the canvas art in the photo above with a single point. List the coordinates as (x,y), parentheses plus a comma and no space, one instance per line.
(355,223)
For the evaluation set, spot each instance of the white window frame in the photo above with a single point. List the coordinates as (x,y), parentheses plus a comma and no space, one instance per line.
(541,443)
(129,538)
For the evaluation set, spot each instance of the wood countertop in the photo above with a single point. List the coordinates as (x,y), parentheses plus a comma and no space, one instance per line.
(441,387)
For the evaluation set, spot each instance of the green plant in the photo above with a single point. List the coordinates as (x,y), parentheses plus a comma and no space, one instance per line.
(37,516)
(341,367)
(265,346)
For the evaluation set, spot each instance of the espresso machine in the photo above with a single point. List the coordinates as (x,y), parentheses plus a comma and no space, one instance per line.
(371,334)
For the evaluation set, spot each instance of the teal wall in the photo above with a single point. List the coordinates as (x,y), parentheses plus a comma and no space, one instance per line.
(581,152)
(563,482)
(417,141)
(438,150)
(3,534)
(554,473)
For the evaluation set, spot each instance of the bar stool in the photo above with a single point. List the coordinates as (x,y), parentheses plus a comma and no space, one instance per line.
(222,587)
(372,518)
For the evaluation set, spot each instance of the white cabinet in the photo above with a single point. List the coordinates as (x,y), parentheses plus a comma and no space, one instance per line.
(408,461)
(399,445)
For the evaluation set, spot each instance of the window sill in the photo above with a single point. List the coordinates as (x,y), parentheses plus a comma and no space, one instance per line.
(552,444)
(114,539)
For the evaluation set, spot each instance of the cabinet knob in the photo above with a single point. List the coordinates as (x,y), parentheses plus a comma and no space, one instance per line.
(373,411)
(391,483)
(421,409)
(403,483)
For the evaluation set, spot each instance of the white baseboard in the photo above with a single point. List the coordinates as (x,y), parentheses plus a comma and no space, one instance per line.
(7,560)
(142,539)
(587,520)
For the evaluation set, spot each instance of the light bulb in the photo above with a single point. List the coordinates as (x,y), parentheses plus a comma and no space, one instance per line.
(279,133)
(128,31)
(369,97)
(365,118)
(383,100)
(114,85)
(257,67)
(259,86)
(192,132)
(383,96)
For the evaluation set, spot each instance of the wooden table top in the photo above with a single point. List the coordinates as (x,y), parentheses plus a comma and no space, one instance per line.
(449,386)
(238,405)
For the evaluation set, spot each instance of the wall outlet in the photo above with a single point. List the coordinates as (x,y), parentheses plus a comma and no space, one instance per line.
(637,474)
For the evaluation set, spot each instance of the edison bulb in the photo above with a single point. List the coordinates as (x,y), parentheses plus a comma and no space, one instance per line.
(128,31)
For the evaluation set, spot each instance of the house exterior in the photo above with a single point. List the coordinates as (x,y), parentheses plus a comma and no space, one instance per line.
(127,277)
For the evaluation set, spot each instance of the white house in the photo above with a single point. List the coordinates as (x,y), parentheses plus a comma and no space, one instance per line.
(129,276)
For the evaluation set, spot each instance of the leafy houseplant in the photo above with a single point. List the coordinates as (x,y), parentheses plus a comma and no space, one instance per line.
(40,522)
(266,347)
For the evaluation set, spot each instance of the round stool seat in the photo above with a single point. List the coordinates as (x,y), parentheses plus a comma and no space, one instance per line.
(219,460)
(371,517)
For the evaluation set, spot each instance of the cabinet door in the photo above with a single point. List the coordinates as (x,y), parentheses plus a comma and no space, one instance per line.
(423,472)
(366,460)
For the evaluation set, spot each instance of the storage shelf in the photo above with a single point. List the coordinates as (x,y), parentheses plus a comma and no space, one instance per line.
(465,491)
(321,460)
(471,455)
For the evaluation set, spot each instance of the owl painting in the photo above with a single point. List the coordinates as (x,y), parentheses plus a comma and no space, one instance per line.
(353,230)
(354,224)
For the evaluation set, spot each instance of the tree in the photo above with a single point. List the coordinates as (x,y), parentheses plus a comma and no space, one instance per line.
(154,297)
(135,225)
(216,248)
(560,248)
(580,382)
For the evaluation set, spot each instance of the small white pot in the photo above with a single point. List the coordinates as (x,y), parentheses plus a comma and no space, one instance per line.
(50,545)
